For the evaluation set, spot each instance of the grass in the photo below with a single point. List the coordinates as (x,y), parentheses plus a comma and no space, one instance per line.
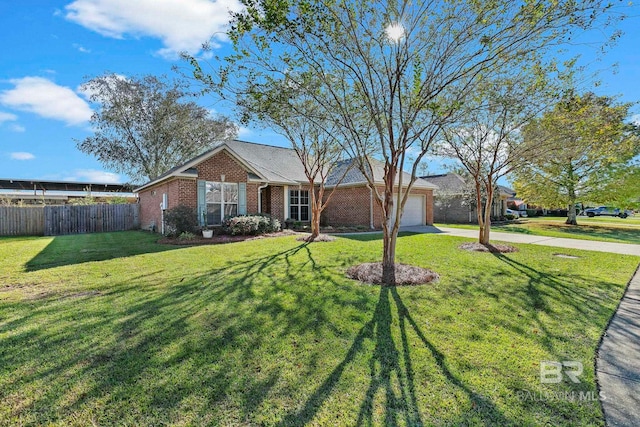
(605,229)
(113,329)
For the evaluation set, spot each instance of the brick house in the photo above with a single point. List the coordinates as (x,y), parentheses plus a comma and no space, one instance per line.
(454,199)
(236,178)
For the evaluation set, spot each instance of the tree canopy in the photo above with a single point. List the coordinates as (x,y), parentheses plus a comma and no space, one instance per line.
(591,139)
(392,74)
(144,126)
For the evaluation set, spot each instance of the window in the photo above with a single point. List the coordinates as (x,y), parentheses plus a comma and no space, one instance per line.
(222,201)
(299,205)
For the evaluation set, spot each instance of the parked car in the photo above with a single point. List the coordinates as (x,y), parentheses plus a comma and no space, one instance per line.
(605,210)
(515,213)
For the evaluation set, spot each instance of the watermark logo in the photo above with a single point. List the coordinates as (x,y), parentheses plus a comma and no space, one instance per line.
(552,372)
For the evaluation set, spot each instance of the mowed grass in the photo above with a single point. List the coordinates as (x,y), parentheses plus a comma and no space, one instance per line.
(605,229)
(113,329)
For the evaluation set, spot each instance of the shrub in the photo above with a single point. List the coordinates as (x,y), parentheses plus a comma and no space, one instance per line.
(532,212)
(180,219)
(510,217)
(185,235)
(251,225)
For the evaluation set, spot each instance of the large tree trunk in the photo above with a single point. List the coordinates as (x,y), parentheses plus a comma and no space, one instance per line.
(571,213)
(571,209)
(316,210)
(486,226)
(389,256)
(479,211)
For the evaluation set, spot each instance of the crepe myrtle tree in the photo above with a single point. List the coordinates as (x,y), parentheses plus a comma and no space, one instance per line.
(392,74)
(313,136)
(486,137)
(144,126)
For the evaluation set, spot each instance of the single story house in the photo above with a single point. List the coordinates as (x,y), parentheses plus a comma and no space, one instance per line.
(454,199)
(236,178)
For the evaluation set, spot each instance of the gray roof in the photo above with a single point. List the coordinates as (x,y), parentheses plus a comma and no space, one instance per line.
(453,183)
(447,182)
(276,165)
(355,176)
(273,164)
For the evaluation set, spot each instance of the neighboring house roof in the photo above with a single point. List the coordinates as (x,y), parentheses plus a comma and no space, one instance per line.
(353,175)
(454,184)
(450,183)
(506,191)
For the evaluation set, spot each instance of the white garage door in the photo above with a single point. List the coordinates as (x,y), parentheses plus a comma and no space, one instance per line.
(413,211)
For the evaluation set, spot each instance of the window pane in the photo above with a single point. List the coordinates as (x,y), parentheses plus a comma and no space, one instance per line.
(214,194)
(293,197)
(230,210)
(213,213)
(293,212)
(304,213)
(230,193)
(304,197)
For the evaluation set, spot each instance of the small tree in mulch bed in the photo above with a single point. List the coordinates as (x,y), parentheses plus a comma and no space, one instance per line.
(493,248)
(406,275)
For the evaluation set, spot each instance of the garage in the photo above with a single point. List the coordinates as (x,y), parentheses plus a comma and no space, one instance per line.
(413,211)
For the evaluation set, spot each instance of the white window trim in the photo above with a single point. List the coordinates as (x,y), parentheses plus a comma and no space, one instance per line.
(222,202)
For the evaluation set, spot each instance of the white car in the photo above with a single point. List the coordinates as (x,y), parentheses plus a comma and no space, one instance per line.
(517,214)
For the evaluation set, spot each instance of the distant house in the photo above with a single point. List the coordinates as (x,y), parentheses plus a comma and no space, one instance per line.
(454,199)
(236,178)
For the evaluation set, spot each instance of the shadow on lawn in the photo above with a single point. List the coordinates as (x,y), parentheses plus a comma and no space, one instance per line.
(81,248)
(371,236)
(199,339)
(389,362)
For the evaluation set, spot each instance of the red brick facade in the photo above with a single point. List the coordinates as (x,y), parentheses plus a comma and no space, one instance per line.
(349,205)
(352,206)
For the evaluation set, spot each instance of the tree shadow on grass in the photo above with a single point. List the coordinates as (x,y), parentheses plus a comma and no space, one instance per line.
(391,372)
(369,236)
(140,346)
(81,248)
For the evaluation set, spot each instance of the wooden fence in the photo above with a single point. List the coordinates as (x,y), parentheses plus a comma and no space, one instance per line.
(68,219)
(19,221)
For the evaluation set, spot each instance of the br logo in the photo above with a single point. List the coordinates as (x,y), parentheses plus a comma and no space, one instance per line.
(552,372)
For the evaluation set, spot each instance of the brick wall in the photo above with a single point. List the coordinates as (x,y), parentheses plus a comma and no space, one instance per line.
(351,206)
(277,202)
(348,206)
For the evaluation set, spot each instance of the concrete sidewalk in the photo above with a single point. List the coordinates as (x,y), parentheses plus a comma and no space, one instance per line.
(618,361)
(587,245)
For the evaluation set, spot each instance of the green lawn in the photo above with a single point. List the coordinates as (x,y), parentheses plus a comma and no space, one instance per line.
(113,329)
(606,229)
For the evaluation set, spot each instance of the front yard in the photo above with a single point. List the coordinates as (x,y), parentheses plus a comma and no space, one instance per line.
(113,328)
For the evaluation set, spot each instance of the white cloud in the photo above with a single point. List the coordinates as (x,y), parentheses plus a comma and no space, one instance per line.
(93,175)
(244,132)
(635,119)
(21,155)
(17,128)
(182,25)
(6,117)
(45,98)
(81,48)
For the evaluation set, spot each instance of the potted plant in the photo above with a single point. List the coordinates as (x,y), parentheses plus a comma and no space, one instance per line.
(207,232)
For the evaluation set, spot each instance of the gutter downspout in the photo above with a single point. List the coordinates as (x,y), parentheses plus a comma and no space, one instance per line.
(370,207)
(260,188)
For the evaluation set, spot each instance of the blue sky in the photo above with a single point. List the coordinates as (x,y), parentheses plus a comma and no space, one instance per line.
(50,47)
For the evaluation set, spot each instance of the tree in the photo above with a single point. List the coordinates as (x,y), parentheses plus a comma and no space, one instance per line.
(393,73)
(313,136)
(486,136)
(591,141)
(144,126)
(624,190)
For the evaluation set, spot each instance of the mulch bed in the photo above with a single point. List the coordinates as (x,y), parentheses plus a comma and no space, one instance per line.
(493,248)
(406,275)
(220,239)
(320,238)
